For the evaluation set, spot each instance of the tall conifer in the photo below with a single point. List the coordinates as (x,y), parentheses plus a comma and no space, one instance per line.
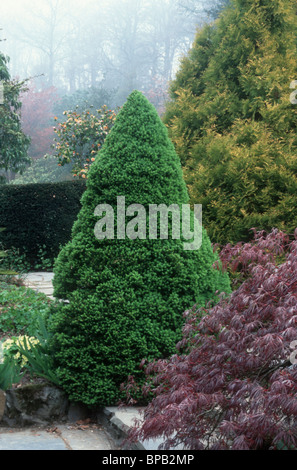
(233,123)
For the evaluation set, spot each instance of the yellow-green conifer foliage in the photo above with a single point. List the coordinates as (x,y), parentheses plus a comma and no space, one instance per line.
(233,123)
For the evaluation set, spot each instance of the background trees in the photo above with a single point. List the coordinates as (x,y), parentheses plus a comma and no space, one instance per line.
(92,54)
(44,44)
(232,121)
(210,8)
(13,142)
(116,45)
(87,99)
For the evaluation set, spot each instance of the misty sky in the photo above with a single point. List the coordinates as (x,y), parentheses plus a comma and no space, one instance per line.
(115,44)
(17,17)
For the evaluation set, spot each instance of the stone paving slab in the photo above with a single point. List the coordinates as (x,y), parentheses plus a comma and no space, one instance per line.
(31,440)
(120,420)
(59,437)
(93,439)
(41,282)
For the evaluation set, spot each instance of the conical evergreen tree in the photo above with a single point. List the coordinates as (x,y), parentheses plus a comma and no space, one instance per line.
(126,297)
(232,121)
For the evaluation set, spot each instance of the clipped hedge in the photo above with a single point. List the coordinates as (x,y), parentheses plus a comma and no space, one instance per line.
(39,215)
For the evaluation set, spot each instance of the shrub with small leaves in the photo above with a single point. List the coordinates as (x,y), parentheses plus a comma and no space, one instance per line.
(126,296)
(232,122)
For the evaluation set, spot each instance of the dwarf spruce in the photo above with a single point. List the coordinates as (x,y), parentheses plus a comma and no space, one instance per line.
(126,297)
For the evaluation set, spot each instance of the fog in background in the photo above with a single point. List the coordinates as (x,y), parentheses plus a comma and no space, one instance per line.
(120,45)
(76,55)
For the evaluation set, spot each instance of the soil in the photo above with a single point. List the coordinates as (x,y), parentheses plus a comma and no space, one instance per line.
(27,379)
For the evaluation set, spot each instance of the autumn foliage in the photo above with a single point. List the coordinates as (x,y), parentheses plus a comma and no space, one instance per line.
(232,383)
(79,137)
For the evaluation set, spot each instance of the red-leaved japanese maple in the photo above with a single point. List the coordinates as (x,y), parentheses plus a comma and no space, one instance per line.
(232,384)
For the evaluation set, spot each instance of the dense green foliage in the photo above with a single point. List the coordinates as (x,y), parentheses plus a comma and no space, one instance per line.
(126,297)
(21,309)
(38,216)
(13,142)
(24,336)
(10,373)
(3,254)
(232,121)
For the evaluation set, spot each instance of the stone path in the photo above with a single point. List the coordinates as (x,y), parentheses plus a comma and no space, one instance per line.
(40,282)
(59,437)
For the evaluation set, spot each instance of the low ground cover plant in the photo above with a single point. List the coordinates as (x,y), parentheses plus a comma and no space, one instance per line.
(24,337)
(20,309)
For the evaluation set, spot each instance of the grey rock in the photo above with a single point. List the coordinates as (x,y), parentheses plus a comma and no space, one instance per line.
(34,404)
